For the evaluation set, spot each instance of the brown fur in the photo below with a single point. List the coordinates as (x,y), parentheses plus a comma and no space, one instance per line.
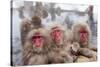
(27,25)
(82,59)
(25,28)
(92,55)
(76,27)
(33,55)
(85,53)
(36,22)
(60,53)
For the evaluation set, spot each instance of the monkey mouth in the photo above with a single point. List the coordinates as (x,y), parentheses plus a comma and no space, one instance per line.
(83,37)
(58,41)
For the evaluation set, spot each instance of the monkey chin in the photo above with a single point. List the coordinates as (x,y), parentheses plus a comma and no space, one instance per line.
(59,43)
(84,44)
(37,49)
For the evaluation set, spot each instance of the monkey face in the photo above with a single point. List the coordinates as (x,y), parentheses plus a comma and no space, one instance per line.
(38,40)
(83,35)
(57,35)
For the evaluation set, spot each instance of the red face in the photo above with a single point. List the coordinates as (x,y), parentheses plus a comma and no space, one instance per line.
(57,35)
(38,40)
(83,35)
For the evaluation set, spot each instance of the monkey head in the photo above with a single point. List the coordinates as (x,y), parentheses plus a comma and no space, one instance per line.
(82,33)
(36,21)
(57,34)
(37,39)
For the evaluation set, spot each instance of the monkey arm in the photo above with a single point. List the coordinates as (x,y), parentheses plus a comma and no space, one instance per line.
(86,55)
(93,48)
(87,52)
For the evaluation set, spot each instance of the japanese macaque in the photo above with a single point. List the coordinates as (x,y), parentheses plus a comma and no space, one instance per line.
(81,35)
(60,45)
(36,47)
(27,25)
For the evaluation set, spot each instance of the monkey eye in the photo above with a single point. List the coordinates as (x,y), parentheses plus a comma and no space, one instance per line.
(35,37)
(83,31)
(56,33)
(57,30)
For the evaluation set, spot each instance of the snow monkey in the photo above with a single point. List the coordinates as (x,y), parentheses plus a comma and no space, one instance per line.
(81,35)
(60,50)
(27,25)
(36,47)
